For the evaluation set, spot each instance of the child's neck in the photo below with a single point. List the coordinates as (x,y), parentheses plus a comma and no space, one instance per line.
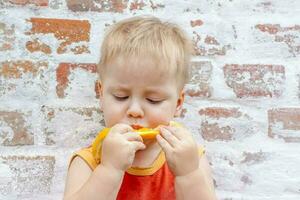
(146,157)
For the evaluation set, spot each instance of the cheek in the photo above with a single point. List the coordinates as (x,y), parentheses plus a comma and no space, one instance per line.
(161,120)
(112,113)
(157,117)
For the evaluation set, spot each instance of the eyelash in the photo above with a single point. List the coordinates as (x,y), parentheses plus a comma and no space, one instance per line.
(153,102)
(120,98)
(126,97)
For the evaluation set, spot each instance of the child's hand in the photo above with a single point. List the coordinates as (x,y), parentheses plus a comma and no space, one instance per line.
(119,147)
(180,148)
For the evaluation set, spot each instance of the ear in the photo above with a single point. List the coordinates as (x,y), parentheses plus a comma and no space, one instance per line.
(99,92)
(180,101)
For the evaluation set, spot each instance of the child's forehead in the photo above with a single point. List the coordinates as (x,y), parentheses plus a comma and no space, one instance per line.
(138,74)
(146,67)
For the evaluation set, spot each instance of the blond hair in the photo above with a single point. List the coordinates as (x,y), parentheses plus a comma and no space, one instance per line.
(138,37)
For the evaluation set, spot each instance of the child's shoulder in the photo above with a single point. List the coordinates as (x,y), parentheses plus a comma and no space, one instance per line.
(78,163)
(84,155)
(78,174)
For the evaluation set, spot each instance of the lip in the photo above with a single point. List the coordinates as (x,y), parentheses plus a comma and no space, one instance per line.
(136,126)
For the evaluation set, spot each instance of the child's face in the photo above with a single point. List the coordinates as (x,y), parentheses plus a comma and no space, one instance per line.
(138,95)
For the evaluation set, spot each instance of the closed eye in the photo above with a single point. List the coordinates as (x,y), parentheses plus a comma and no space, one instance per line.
(154,101)
(120,98)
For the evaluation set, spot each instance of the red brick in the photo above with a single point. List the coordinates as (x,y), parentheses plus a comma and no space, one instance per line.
(117,6)
(287,35)
(22,78)
(212,132)
(199,84)
(224,124)
(136,5)
(271,29)
(220,112)
(66,31)
(211,40)
(250,80)
(284,123)
(26,175)
(63,72)
(15,69)
(80,50)
(71,126)
(14,129)
(36,45)
(24,2)
(7,37)
(143,5)
(209,46)
(197,22)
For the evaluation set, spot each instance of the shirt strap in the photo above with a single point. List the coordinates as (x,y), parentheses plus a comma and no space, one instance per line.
(86,155)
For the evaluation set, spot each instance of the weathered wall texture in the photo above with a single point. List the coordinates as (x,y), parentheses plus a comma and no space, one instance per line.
(243,101)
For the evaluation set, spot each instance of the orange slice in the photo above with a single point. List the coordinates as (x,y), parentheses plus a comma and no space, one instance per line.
(145,133)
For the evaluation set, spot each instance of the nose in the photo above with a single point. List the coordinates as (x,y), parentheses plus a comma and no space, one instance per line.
(135,110)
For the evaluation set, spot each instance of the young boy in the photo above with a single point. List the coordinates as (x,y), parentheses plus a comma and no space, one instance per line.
(143,67)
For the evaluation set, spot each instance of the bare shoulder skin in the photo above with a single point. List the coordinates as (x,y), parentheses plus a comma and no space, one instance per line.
(83,183)
(78,173)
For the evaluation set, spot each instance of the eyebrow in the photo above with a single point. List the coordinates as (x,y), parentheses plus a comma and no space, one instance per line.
(154,92)
(147,92)
(118,87)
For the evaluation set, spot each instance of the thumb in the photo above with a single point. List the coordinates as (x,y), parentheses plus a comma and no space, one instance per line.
(138,145)
(121,128)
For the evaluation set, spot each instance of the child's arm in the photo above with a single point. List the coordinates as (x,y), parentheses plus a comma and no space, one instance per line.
(193,178)
(118,151)
(196,185)
(83,183)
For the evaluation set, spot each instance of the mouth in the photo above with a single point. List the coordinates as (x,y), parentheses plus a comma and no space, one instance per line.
(136,127)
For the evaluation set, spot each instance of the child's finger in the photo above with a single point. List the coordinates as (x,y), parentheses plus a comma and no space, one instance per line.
(133,136)
(178,132)
(169,137)
(164,144)
(121,128)
(138,145)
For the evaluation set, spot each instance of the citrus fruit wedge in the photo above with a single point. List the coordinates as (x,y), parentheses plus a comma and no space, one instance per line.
(145,133)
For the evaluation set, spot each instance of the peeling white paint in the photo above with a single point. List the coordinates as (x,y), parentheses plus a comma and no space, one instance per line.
(275,177)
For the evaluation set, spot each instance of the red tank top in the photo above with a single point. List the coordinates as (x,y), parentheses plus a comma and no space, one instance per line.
(152,183)
(159,185)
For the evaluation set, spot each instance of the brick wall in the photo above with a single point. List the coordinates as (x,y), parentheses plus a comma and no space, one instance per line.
(243,101)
